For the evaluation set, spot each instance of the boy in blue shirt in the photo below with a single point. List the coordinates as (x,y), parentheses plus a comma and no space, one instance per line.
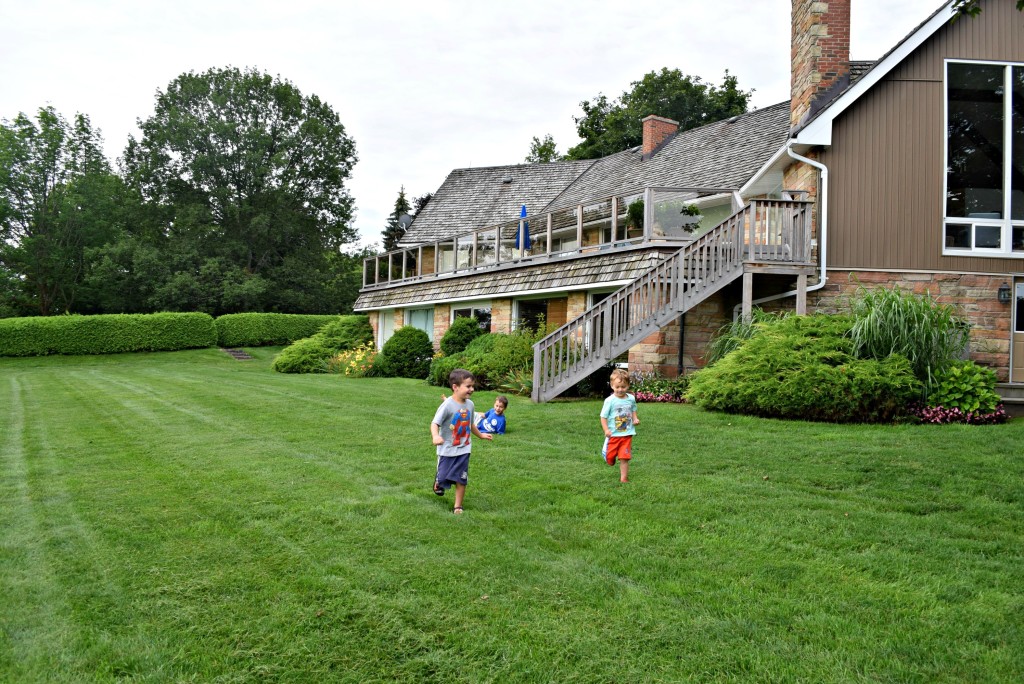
(494,420)
(618,419)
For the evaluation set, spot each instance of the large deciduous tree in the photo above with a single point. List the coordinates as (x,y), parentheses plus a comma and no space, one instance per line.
(972,8)
(248,177)
(58,200)
(609,126)
(543,151)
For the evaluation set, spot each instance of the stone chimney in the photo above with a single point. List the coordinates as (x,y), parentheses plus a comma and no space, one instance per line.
(657,129)
(820,54)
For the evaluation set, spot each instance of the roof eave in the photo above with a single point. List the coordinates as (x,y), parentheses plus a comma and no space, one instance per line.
(818,130)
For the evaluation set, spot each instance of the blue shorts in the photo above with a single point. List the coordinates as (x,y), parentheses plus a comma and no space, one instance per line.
(452,470)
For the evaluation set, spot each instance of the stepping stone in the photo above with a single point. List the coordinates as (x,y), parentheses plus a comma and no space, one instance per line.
(237,354)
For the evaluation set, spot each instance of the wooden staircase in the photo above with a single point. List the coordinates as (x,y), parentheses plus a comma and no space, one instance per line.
(764,231)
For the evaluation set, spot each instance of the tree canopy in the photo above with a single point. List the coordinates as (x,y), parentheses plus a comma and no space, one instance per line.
(543,151)
(57,201)
(972,8)
(609,126)
(246,179)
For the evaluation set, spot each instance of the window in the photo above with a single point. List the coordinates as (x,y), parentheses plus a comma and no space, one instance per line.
(984,211)
(422,319)
(480,313)
(537,314)
(531,313)
(386,326)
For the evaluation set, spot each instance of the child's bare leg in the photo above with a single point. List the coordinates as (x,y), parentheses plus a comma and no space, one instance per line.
(460,492)
(623,470)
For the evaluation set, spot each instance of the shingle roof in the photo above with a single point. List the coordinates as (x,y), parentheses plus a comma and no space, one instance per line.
(473,198)
(722,155)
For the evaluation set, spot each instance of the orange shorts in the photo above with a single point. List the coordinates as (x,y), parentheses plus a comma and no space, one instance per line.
(619,448)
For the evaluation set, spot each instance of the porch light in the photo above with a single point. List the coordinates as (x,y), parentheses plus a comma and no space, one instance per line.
(1004,293)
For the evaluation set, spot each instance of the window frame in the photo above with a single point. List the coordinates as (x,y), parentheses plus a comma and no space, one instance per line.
(1006,224)
(429,310)
(472,307)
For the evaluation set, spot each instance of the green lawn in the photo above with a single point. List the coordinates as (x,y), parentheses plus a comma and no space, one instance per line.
(186,517)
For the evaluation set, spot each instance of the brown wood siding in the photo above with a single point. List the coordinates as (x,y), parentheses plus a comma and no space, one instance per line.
(886,166)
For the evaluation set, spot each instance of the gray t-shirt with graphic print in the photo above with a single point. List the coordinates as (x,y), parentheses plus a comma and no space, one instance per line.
(455,421)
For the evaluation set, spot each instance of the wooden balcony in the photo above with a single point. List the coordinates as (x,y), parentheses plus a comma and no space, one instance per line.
(654,216)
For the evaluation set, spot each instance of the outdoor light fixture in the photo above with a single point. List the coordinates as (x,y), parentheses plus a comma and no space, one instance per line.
(1004,293)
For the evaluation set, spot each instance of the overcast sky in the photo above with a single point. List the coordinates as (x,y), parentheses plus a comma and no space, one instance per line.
(422,87)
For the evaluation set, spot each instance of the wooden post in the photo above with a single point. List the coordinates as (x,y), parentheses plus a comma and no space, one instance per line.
(648,213)
(615,217)
(748,296)
(801,294)
(547,248)
(579,227)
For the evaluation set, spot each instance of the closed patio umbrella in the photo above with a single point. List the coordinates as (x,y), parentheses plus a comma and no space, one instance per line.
(523,234)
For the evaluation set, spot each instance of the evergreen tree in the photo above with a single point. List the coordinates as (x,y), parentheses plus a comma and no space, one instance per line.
(394,230)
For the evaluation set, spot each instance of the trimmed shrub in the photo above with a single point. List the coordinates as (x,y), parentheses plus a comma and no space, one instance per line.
(491,358)
(105,334)
(314,354)
(407,354)
(308,355)
(459,335)
(732,335)
(803,367)
(264,329)
(442,366)
(347,332)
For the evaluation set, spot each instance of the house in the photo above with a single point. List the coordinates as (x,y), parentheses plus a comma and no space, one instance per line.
(905,171)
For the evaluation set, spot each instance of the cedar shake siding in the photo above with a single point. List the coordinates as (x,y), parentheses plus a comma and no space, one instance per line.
(886,163)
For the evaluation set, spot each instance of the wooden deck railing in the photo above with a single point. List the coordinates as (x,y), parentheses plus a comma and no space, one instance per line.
(763,231)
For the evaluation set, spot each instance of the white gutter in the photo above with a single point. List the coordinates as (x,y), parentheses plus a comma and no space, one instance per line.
(823,237)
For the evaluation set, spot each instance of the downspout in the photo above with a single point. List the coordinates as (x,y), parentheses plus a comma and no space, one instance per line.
(823,237)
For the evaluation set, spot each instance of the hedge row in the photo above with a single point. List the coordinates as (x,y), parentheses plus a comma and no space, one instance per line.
(264,329)
(105,334)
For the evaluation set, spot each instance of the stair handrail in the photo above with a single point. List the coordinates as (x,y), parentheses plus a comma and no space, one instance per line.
(758,231)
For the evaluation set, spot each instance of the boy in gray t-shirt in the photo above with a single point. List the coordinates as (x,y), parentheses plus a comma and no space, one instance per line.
(451,430)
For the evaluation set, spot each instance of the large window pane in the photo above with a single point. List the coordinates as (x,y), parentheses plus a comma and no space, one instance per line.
(1017,143)
(988,237)
(958,236)
(976,130)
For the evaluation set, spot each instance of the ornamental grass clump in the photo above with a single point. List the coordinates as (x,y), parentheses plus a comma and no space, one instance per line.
(928,334)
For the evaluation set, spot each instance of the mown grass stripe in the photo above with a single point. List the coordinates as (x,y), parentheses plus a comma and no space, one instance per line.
(259,526)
